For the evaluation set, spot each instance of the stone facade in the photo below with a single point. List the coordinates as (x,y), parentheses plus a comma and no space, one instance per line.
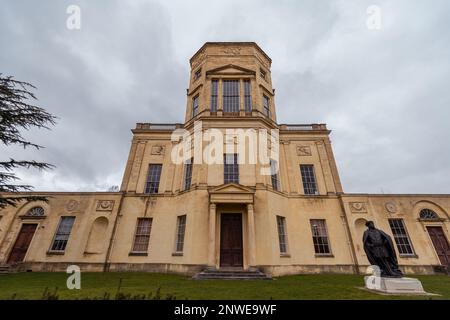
(104,233)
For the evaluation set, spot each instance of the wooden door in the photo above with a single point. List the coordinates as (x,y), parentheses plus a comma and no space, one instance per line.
(22,243)
(231,248)
(440,244)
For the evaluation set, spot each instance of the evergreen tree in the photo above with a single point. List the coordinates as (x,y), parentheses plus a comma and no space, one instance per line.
(17,112)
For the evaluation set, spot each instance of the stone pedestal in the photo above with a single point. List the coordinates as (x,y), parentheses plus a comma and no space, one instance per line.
(394,285)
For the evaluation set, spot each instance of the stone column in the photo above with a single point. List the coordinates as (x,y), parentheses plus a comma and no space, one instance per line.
(251,236)
(212,236)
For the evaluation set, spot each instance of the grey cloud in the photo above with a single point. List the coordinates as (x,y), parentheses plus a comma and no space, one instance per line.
(383,93)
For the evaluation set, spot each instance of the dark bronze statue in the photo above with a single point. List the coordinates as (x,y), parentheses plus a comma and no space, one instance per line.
(380,251)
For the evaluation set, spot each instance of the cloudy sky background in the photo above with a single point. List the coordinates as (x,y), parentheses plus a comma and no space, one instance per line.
(384,93)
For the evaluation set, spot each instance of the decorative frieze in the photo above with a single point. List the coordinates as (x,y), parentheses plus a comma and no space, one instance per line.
(390,207)
(303,151)
(72,205)
(158,150)
(105,205)
(358,207)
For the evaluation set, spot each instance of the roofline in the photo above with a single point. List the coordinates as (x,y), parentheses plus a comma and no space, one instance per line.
(236,43)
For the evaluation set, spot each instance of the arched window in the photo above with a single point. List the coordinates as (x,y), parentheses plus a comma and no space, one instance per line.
(36,212)
(427,214)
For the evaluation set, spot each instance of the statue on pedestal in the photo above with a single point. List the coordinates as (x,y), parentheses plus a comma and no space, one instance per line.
(380,251)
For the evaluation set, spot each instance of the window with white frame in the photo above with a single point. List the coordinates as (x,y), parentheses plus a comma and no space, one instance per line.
(282,234)
(142,234)
(320,236)
(62,234)
(230,93)
(401,237)
(181,228)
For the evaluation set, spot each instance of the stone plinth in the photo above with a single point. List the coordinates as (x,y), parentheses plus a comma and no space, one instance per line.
(394,285)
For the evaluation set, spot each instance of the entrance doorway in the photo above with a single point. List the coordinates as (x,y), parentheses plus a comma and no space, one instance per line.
(22,243)
(440,244)
(231,246)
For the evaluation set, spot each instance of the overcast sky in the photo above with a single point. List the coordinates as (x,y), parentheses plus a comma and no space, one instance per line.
(385,92)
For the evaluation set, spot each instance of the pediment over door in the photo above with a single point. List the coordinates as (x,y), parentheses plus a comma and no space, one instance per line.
(231,193)
(231,69)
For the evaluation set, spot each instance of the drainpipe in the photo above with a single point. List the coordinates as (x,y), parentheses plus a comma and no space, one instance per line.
(349,235)
(113,234)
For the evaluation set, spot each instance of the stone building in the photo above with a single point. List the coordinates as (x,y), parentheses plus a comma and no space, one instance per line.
(183,217)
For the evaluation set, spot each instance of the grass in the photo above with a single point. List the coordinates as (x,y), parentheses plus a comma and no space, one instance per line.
(96,285)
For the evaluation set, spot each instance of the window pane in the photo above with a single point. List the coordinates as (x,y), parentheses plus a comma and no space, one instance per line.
(195,105)
(282,235)
(231,168)
(188,174)
(154,174)
(231,95)
(142,235)
(63,233)
(181,227)
(401,236)
(214,95)
(247,96)
(320,236)
(274,174)
(308,179)
(266,104)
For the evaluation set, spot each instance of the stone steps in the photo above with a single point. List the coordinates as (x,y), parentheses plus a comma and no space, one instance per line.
(5,269)
(213,274)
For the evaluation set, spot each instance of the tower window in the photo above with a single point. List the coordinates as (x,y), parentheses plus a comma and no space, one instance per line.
(247,96)
(320,236)
(262,74)
(181,228)
(195,105)
(142,235)
(231,96)
(197,74)
(188,173)
(266,105)
(308,178)
(401,237)
(153,177)
(274,175)
(231,168)
(62,234)
(282,234)
(214,95)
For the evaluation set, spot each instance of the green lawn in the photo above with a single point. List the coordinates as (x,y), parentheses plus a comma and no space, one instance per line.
(95,285)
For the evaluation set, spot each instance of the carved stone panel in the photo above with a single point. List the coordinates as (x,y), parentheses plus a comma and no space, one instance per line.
(358,207)
(303,151)
(72,205)
(158,150)
(390,207)
(105,205)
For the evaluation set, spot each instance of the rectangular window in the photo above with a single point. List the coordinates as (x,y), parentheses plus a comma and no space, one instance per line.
(247,96)
(62,234)
(274,175)
(181,227)
(266,105)
(142,235)
(320,236)
(231,168)
(214,95)
(282,234)
(195,105)
(308,178)
(231,96)
(154,174)
(401,237)
(188,173)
